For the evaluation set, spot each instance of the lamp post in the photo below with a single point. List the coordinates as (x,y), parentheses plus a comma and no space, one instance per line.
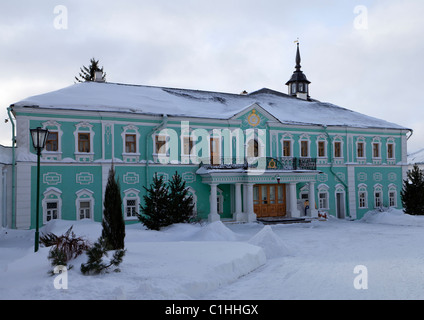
(39,137)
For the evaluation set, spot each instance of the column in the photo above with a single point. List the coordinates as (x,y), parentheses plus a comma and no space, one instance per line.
(250,214)
(294,212)
(238,214)
(213,212)
(312,209)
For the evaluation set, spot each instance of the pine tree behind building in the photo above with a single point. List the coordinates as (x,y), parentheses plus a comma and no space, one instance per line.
(89,73)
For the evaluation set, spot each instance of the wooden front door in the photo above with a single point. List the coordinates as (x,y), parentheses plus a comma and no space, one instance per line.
(269,200)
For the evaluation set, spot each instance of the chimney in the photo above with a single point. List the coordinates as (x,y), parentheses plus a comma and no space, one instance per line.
(98,76)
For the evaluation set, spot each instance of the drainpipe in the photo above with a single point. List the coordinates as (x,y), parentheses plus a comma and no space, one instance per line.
(4,197)
(13,226)
(158,127)
(330,157)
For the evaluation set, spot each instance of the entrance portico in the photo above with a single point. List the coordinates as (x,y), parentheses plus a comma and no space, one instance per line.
(271,193)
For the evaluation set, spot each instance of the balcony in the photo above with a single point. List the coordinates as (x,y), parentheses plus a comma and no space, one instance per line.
(267,163)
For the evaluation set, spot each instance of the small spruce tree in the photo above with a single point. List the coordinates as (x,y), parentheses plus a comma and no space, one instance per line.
(412,193)
(181,204)
(88,73)
(113,223)
(154,214)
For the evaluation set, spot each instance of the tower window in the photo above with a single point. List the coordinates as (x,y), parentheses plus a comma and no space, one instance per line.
(293,88)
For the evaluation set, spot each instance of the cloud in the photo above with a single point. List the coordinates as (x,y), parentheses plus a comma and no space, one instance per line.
(222,46)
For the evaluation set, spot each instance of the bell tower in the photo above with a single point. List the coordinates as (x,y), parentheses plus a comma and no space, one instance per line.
(298,84)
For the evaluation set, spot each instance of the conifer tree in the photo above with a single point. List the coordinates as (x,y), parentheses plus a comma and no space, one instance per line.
(154,214)
(181,204)
(113,223)
(412,193)
(88,73)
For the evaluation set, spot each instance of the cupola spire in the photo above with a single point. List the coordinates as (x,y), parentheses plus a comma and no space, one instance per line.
(298,83)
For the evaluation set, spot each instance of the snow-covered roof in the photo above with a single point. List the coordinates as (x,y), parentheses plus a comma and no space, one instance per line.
(5,155)
(141,99)
(416,157)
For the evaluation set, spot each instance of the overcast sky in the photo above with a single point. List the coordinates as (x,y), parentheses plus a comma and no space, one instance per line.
(363,55)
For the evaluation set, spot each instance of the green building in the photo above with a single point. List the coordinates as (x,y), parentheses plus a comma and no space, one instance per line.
(243,156)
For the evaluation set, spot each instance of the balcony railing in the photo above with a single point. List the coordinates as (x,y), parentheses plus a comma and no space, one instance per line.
(267,163)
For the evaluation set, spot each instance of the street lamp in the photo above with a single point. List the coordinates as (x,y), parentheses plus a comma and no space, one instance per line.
(39,137)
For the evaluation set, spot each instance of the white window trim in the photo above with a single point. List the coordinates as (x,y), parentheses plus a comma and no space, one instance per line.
(340,140)
(131,156)
(323,189)
(287,137)
(58,194)
(322,138)
(81,156)
(393,188)
(305,137)
(364,142)
(128,196)
(391,140)
(376,140)
(362,188)
(50,155)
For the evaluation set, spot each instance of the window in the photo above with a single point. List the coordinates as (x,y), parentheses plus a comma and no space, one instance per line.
(84,204)
(392,195)
(52,142)
(51,203)
(84,210)
(360,147)
(323,200)
(188,145)
(53,149)
(130,143)
(390,151)
(286,148)
(293,88)
(377,199)
(304,150)
(392,199)
(376,150)
(215,157)
(362,199)
(84,135)
(51,211)
(131,208)
(363,196)
(160,142)
(378,196)
(321,148)
(253,148)
(337,149)
(83,142)
(131,204)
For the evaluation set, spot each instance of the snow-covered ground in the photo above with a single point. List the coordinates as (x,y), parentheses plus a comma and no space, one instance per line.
(317,260)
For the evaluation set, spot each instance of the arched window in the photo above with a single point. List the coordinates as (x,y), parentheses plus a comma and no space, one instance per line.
(392,195)
(363,196)
(131,203)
